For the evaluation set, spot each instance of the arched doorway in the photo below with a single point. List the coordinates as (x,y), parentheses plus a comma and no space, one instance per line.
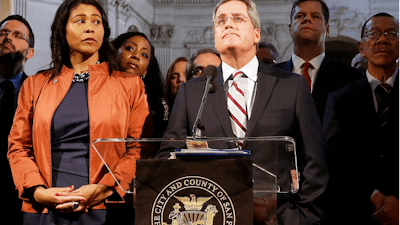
(342,49)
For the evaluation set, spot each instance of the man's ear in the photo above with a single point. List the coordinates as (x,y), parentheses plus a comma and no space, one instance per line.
(30,54)
(360,49)
(257,35)
(327,30)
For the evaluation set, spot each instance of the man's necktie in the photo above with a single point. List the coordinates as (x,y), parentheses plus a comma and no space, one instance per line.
(6,112)
(382,93)
(306,66)
(237,106)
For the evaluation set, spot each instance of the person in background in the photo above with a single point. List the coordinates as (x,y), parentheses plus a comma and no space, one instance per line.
(136,56)
(271,102)
(200,60)
(359,62)
(17,44)
(361,125)
(267,53)
(175,77)
(309,28)
(61,111)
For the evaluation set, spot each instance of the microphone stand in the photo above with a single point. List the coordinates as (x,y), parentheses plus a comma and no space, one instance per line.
(196,130)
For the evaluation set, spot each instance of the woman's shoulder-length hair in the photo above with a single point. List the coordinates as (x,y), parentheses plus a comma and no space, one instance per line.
(60,51)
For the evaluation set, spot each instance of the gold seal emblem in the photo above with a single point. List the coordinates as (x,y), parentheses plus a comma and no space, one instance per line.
(193,200)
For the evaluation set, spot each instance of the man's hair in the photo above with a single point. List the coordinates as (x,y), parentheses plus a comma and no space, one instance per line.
(251,10)
(190,63)
(325,9)
(262,45)
(22,20)
(382,14)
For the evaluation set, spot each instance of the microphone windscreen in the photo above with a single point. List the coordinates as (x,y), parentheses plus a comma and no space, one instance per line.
(213,87)
(210,72)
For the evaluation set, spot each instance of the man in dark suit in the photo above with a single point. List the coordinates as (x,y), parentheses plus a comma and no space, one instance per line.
(16,46)
(309,28)
(361,124)
(274,103)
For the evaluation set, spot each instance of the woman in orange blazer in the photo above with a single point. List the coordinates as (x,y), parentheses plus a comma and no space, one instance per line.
(61,111)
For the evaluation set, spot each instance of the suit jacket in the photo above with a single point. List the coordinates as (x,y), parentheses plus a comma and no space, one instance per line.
(331,76)
(361,156)
(282,106)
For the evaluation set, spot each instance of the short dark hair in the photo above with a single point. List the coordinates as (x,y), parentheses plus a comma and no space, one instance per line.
(381,14)
(190,62)
(22,20)
(325,9)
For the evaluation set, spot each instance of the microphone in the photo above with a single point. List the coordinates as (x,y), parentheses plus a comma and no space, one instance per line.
(210,72)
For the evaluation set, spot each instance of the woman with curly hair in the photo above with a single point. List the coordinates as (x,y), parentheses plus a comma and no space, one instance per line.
(136,56)
(61,111)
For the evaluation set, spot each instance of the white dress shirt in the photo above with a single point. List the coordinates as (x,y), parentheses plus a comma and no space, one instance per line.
(249,83)
(312,71)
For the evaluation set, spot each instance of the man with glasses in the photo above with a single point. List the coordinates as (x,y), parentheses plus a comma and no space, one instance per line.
(362,128)
(255,100)
(16,46)
(309,28)
(200,60)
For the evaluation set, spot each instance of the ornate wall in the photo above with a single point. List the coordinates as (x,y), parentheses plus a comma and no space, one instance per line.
(180,27)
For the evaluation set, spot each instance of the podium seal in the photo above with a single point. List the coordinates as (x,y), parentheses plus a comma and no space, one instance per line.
(193,200)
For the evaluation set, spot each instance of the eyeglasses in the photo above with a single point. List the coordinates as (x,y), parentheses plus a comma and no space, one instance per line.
(237,19)
(197,71)
(375,35)
(15,33)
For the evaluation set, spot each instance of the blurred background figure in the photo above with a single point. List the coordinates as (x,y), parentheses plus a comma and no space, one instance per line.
(200,60)
(360,62)
(16,46)
(136,56)
(267,53)
(175,76)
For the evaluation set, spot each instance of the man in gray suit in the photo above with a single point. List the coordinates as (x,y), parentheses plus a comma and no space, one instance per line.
(259,101)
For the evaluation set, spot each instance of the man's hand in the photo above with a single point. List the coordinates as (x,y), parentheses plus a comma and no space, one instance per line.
(386,209)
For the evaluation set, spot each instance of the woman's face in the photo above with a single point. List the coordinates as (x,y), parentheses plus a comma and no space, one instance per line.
(134,55)
(177,76)
(84,31)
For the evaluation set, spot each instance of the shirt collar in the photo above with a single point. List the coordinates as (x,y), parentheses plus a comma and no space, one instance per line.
(315,62)
(250,69)
(15,80)
(375,82)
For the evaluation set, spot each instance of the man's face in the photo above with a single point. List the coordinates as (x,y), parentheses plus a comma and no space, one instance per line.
(236,32)
(308,23)
(10,43)
(383,51)
(202,61)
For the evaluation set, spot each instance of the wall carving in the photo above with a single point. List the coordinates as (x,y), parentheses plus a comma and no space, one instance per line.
(198,35)
(160,35)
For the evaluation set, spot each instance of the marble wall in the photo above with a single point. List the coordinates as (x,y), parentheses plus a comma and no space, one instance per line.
(180,27)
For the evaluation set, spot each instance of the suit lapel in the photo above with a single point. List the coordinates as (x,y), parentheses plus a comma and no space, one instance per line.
(219,104)
(265,85)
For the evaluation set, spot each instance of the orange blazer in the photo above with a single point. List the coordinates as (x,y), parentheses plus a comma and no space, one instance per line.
(117,109)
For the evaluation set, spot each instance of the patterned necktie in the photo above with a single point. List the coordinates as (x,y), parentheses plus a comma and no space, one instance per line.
(237,106)
(382,93)
(306,66)
(6,112)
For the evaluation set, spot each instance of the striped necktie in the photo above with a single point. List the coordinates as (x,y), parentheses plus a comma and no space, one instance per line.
(382,93)
(237,106)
